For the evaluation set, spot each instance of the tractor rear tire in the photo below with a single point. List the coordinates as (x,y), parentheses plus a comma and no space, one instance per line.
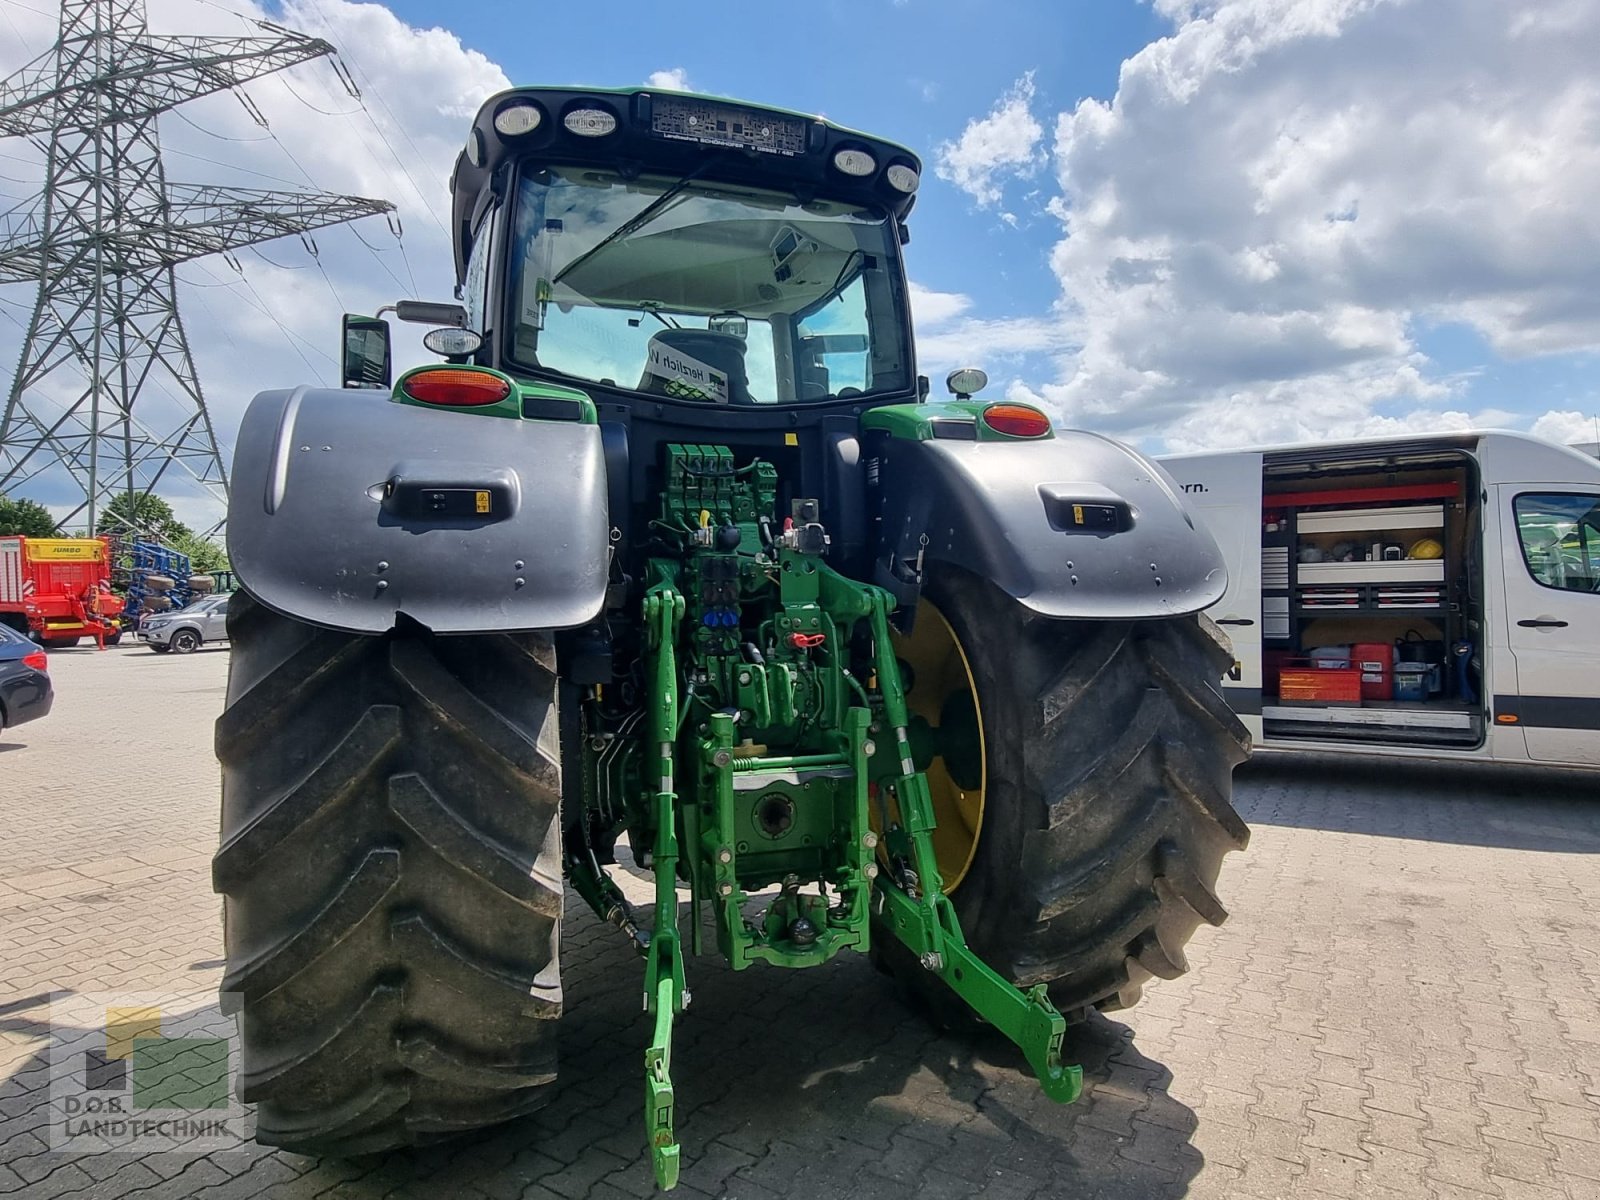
(1109,755)
(391,864)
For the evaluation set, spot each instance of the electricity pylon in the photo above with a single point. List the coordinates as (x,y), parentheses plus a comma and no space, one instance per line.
(103,240)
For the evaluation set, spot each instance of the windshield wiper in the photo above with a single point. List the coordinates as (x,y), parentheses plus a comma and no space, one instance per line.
(634,223)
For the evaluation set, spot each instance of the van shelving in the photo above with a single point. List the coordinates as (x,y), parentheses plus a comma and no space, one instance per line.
(1369,516)
(1516,657)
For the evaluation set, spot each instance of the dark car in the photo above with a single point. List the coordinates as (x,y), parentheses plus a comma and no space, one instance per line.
(25,691)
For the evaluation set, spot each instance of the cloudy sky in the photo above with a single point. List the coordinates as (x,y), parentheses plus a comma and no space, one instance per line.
(1189,224)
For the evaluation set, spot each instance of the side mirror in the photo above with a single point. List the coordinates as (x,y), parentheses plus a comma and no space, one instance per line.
(366,360)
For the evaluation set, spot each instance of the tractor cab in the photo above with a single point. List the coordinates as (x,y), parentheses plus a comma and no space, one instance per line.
(689,250)
(685,249)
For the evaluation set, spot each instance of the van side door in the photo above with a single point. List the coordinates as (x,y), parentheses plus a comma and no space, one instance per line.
(1550,539)
(1225,492)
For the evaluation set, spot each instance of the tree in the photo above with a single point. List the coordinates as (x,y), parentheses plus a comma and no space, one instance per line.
(205,557)
(143,516)
(27,517)
(147,517)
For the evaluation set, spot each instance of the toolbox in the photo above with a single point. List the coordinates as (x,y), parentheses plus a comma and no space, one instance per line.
(1375,661)
(1305,684)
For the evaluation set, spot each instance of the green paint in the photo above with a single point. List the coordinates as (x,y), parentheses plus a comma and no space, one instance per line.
(765,730)
(524,394)
(916,422)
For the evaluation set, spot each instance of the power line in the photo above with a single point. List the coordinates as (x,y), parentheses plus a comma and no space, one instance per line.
(221,137)
(104,246)
(354,67)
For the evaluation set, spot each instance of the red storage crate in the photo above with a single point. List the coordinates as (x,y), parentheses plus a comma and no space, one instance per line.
(1320,685)
(1375,661)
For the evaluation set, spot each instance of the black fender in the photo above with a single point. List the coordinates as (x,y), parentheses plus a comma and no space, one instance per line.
(348,511)
(1076,525)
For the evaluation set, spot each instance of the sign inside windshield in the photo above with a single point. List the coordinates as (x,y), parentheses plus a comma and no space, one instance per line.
(686,370)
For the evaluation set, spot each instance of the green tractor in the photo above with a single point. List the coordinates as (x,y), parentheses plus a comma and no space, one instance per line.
(673,557)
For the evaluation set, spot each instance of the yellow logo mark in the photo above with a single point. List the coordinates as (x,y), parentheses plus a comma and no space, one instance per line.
(482,499)
(1077,514)
(791,439)
(64,549)
(124,1025)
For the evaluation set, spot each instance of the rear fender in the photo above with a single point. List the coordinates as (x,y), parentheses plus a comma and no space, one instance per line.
(349,511)
(1075,525)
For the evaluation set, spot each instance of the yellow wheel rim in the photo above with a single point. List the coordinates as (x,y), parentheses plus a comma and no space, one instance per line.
(941,683)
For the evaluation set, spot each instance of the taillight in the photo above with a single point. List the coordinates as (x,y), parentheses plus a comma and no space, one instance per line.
(36,660)
(1016,420)
(456,388)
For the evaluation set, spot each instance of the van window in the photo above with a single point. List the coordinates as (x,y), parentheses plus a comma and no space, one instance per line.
(1560,537)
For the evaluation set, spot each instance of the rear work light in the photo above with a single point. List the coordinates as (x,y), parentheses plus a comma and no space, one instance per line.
(517,118)
(902,178)
(855,162)
(1016,420)
(36,660)
(590,122)
(456,389)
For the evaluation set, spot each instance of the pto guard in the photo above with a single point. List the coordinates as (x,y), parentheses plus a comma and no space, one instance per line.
(349,510)
(1074,526)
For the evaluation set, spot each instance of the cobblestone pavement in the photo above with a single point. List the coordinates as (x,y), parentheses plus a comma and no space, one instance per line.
(1406,1002)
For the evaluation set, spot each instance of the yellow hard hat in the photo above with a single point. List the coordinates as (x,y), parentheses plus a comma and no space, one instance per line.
(1425,548)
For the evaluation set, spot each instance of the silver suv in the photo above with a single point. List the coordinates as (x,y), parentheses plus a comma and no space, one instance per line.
(204,620)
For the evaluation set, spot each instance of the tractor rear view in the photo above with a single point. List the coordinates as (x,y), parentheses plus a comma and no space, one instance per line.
(673,552)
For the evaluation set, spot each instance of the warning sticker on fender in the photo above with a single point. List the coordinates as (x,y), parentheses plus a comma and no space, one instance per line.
(688,376)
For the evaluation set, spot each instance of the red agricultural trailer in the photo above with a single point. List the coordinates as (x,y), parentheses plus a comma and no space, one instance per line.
(58,590)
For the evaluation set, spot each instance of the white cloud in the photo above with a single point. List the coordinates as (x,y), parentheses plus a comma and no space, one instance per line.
(989,343)
(1568,427)
(277,326)
(930,308)
(948,338)
(1282,193)
(673,79)
(1004,143)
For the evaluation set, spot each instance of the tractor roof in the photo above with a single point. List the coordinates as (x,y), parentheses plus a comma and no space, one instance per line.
(640,130)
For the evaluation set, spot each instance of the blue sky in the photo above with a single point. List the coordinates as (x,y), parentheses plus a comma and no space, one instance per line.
(1189,223)
(924,71)
(915,72)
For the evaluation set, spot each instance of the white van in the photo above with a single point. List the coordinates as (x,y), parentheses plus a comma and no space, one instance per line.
(1431,596)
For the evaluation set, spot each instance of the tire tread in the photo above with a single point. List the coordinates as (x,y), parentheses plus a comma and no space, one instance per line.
(392,880)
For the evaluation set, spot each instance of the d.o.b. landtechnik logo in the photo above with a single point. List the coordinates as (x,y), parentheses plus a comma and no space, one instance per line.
(143,1073)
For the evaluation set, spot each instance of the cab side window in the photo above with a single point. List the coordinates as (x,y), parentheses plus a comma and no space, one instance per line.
(474,290)
(1560,536)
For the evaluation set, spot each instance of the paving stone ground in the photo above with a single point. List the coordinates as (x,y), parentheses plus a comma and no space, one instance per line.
(1405,1003)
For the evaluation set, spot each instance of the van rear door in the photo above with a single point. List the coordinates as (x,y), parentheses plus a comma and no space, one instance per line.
(1225,492)
(1550,538)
